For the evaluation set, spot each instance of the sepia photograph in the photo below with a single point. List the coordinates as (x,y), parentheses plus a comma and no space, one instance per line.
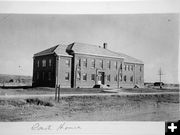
(89,67)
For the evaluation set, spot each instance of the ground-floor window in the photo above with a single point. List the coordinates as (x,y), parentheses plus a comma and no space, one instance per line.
(43,75)
(125,78)
(115,78)
(78,75)
(49,76)
(85,77)
(37,75)
(140,79)
(93,77)
(67,76)
(108,78)
(131,79)
(120,77)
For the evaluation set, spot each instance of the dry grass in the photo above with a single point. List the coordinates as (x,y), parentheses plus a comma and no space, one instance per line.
(114,107)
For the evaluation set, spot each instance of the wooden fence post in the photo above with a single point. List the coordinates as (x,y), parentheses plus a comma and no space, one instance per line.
(58,92)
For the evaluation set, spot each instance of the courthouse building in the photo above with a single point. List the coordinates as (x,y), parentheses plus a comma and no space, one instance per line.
(80,65)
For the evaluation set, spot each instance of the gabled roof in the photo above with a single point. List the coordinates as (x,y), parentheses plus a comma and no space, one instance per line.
(58,50)
(82,48)
(129,59)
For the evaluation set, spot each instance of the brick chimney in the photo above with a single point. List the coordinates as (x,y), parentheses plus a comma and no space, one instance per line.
(105,45)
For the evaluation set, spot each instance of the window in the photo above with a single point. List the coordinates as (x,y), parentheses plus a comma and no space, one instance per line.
(131,67)
(140,78)
(115,64)
(140,68)
(49,76)
(115,78)
(108,78)
(43,63)
(37,75)
(68,62)
(125,67)
(125,78)
(43,74)
(128,67)
(131,79)
(38,63)
(93,63)
(50,62)
(67,76)
(120,77)
(85,77)
(109,64)
(85,62)
(79,62)
(78,75)
(101,63)
(121,66)
(93,77)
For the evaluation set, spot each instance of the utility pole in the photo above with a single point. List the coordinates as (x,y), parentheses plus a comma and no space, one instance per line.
(160,73)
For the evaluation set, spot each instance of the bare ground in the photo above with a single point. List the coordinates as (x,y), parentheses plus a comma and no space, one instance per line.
(154,107)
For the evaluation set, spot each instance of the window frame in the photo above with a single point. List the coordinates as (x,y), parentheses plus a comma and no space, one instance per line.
(125,78)
(93,77)
(84,62)
(67,62)
(101,64)
(131,79)
(93,63)
(44,63)
(84,75)
(67,78)
(109,78)
(50,62)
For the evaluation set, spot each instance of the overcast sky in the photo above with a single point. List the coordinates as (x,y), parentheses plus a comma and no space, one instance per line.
(152,38)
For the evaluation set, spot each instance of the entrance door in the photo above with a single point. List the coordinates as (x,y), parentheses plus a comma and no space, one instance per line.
(101,77)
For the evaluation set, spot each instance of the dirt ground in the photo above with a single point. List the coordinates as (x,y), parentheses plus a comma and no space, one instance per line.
(92,108)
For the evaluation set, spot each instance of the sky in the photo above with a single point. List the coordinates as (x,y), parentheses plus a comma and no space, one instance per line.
(152,38)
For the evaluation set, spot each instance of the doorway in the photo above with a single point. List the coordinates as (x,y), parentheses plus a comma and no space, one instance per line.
(101,79)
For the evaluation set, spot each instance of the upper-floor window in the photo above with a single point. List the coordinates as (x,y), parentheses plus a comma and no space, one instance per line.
(38,63)
(68,62)
(44,63)
(115,64)
(128,67)
(125,67)
(140,68)
(93,63)
(101,63)
(79,62)
(50,62)
(108,64)
(131,78)
(84,77)
(67,76)
(125,78)
(132,67)
(85,62)
(108,78)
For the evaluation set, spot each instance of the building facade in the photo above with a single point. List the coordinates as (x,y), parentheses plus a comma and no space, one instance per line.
(80,65)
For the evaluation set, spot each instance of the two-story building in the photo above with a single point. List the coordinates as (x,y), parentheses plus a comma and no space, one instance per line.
(83,65)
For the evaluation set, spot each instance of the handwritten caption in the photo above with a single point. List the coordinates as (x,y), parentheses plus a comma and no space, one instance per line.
(59,126)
